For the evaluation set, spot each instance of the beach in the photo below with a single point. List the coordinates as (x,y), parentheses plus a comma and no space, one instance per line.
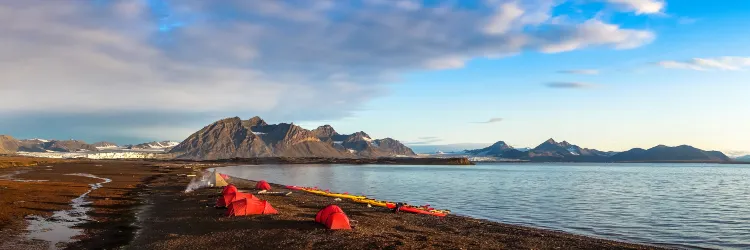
(145,207)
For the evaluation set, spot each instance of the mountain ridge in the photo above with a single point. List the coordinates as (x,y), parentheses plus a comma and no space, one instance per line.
(237,138)
(551,151)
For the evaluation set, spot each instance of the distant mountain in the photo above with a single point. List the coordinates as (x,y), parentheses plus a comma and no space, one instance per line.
(665,153)
(39,145)
(446,148)
(233,137)
(154,145)
(564,151)
(743,158)
(500,149)
(8,144)
(104,145)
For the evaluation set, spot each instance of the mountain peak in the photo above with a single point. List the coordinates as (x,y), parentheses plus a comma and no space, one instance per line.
(501,145)
(255,121)
(550,140)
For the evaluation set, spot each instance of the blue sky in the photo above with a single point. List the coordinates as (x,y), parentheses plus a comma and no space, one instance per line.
(605,74)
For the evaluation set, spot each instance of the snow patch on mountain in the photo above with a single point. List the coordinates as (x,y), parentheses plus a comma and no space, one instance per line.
(573,151)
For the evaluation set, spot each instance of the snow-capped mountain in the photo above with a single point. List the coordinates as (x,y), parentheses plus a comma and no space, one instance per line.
(155,145)
(103,145)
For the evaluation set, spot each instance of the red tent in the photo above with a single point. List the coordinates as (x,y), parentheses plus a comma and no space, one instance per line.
(228,198)
(263,185)
(229,189)
(248,207)
(333,218)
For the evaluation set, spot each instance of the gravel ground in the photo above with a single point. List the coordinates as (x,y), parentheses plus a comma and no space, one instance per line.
(144,207)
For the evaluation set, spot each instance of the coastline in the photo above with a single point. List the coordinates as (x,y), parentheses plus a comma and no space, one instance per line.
(327,160)
(144,207)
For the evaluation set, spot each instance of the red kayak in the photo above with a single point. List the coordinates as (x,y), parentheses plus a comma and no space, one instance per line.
(416,210)
(295,188)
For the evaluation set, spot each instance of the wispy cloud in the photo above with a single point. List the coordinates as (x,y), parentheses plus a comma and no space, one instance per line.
(727,63)
(491,120)
(641,6)
(580,71)
(569,85)
(426,140)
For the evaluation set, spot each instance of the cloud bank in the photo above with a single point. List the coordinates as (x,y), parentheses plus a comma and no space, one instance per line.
(285,59)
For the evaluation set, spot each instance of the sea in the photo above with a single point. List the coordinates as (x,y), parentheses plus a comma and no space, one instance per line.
(692,206)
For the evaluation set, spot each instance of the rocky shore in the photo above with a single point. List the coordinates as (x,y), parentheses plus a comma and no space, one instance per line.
(327,160)
(145,207)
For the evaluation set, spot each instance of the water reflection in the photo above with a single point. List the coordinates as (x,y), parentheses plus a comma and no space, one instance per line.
(699,205)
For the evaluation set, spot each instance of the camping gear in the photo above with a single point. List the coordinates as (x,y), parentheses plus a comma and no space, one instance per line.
(228,198)
(333,218)
(263,185)
(227,195)
(226,177)
(215,180)
(246,206)
(265,192)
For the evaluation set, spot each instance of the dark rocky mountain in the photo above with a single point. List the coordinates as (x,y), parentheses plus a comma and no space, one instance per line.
(500,149)
(8,144)
(37,145)
(224,139)
(235,138)
(68,146)
(665,153)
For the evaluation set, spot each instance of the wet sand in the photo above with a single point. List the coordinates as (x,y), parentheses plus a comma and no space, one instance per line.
(144,207)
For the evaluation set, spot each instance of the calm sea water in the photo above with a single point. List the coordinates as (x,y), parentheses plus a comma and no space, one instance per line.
(683,205)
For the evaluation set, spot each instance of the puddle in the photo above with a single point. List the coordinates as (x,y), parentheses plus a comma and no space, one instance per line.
(10,177)
(58,228)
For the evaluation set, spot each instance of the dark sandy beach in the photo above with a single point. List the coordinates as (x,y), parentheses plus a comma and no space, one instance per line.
(144,207)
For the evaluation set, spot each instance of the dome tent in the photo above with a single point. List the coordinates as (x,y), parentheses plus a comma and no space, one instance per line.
(333,218)
(246,206)
(263,185)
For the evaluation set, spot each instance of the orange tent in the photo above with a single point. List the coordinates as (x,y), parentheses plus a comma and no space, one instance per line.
(246,206)
(263,185)
(227,199)
(333,218)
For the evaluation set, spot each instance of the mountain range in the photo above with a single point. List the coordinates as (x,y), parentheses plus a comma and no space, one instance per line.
(551,150)
(236,138)
(9,145)
(743,158)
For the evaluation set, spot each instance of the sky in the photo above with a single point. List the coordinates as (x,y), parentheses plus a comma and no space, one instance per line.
(604,74)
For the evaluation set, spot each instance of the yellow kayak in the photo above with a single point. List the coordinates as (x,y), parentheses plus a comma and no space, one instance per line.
(375,202)
(337,195)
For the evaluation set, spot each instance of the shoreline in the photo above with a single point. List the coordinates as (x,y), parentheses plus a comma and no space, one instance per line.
(189,220)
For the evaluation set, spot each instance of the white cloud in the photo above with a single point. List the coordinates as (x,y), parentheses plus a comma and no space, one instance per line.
(502,21)
(279,58)
(641,6)
(596,32)
(727,63)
